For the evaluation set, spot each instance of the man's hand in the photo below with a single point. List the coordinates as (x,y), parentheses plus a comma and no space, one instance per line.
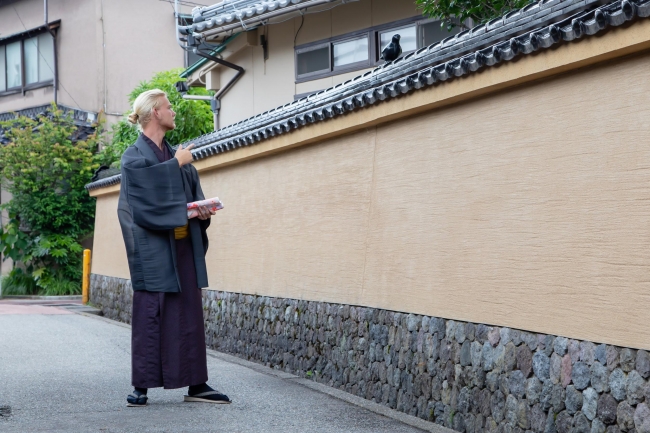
(205,213)
(184,156)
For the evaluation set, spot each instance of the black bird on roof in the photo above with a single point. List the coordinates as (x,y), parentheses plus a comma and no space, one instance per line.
(392,50)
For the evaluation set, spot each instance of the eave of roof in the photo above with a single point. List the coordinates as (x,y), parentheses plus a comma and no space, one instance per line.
(198,64)
(30,32)
(535,27)
(233,15)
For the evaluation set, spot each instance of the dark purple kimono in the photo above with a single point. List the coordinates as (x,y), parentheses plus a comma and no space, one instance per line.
(168,340)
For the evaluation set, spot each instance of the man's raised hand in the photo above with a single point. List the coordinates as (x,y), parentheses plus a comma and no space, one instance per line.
(184,156)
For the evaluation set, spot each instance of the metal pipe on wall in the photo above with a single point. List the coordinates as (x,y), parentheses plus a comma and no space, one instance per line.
(54,52)
(215,102)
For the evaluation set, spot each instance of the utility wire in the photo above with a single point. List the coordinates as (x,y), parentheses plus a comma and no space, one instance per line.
(48,65)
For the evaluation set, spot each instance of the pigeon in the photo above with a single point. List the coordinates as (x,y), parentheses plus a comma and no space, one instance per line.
(392,50)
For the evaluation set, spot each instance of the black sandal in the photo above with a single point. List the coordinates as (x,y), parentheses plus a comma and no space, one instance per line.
(136,399)
(209,397)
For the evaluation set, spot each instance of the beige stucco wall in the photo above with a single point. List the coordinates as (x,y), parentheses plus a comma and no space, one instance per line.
(109,253)
(507,201)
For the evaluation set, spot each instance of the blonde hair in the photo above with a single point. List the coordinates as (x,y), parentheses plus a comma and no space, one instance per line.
(143,104)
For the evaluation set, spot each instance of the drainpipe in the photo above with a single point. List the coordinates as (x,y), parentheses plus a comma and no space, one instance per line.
(215,101)
(56,69)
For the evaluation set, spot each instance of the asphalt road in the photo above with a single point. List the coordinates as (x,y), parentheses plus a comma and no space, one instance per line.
(67,372)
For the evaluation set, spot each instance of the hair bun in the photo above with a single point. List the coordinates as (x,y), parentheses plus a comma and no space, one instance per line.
(133,118)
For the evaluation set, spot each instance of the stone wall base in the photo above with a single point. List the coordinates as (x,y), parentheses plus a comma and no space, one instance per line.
(466,376)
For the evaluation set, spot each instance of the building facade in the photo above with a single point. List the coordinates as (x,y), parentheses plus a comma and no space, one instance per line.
(85,55)
(297,53)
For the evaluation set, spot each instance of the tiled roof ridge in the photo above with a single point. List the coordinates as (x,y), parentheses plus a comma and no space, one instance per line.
(561,20)
(205,17)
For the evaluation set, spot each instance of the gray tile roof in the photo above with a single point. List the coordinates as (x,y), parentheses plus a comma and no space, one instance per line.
(536,27)
(235,11)
(84,120)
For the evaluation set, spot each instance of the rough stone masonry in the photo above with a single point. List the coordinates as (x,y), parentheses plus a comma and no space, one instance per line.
(466,376)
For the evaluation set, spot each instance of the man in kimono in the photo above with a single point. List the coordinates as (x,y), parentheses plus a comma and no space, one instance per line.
(166,255)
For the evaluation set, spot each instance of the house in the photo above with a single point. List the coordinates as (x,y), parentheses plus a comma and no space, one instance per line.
(84,55)
(290,49)
(460,234)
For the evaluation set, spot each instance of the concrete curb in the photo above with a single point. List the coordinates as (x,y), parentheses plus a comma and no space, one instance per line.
(44,298)
(319,387)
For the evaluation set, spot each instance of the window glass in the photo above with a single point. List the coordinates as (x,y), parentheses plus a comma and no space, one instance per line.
(3,70)
(352,51)
(433,32)
(14,71)
(45,57)
(314,60)
(31,60)
(408,38)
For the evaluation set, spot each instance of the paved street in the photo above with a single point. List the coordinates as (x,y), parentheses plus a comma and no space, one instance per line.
(66,372)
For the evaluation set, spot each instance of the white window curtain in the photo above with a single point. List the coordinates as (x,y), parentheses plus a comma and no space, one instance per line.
(31,60)
(3,69)
(408,38)
(46,57)
(352,51)
(14,68)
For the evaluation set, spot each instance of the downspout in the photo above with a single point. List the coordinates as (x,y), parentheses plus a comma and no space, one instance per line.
(54,52)
(215,101)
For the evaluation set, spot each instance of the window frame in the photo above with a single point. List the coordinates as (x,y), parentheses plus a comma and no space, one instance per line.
(313,47)
(350,66)
(373,34)
(22,37)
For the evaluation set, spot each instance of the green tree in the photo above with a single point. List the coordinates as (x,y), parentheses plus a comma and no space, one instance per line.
(454,13)
(193,118)
(50,212)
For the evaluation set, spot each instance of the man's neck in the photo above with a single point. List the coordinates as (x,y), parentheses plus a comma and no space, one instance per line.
(155,133)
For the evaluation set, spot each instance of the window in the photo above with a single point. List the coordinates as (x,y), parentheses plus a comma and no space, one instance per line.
(27,63)
(313,60)
(433,32)
(408,38)
(362,49)
(14,72)
(351,52)
(3,69)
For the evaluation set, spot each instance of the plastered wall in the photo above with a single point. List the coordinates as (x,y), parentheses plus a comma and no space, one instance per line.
(527,208)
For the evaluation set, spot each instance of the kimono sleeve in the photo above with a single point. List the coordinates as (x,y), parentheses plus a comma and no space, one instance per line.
(155,194)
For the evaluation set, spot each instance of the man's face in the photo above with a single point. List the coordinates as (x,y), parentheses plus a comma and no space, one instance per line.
(165,114)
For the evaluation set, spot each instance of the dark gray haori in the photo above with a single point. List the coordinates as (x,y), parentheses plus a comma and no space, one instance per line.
(168,340)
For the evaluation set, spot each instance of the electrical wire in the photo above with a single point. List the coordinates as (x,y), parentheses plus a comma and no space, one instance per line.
(48,65)
(302,21)
(183,3)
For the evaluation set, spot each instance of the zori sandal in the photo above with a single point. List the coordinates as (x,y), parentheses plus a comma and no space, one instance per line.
(136,399)
(209,397)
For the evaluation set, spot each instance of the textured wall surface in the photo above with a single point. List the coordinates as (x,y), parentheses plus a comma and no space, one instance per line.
(109,252)
(523,209)
(527,208)
(467,376)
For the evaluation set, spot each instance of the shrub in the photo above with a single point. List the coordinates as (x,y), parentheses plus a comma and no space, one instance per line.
(50,211)
(193,118)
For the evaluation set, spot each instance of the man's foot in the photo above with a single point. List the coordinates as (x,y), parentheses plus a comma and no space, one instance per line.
(137,398)
(203,393)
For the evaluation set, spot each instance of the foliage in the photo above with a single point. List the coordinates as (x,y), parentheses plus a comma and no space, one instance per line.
(454,13)
(50,211)
(193,118)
